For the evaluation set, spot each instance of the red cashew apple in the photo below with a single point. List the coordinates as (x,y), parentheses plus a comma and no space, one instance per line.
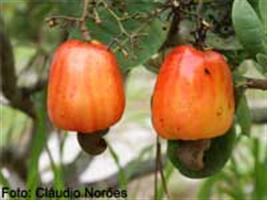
(193,98)
(85,88)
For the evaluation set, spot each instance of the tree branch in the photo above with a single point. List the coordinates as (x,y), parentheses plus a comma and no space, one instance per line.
(174,28)
(38,86)
(53,21)
(13,161)
(84,29)
(18,99)
(258,111)
(260,84)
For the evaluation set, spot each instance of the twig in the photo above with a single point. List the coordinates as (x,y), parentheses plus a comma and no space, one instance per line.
(116,17)
(137,31)
(177,11)
(159,167)
(53,21)
(198,12)
(156,169)
(132,36)
(38,86)
(84,29)
(189,13)
(258,111)
(51,159)
(260,84)
(122,175)
(174,29)
(14,161)
(123,31)
(96,16)
(164,184)
(15,95)
(31,61)
(202,27)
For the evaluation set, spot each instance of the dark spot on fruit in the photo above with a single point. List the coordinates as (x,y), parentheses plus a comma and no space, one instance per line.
(219,112)
(164,28)
(207,71)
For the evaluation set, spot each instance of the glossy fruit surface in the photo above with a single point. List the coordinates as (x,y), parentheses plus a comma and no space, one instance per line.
(85,89)
(193,97)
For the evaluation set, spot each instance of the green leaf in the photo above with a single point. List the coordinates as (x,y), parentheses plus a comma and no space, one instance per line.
(244,116)
(263,14)
(141,5)
(69,7)
(248,27)
(262,61)
(217,42)
(3,180)
(147,46)
(122,174)
(206,188)
(147,31)
(254,3)
(59,179)
(237,188)
(168,171)
(261,180)
(57,171)
(260,172)
(38,143)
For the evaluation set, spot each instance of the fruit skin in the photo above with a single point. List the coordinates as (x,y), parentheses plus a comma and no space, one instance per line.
(193,97)
(85,88)
(215,157)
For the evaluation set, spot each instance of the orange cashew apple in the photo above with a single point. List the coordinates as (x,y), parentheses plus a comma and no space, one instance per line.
(193,98)
(85,88)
